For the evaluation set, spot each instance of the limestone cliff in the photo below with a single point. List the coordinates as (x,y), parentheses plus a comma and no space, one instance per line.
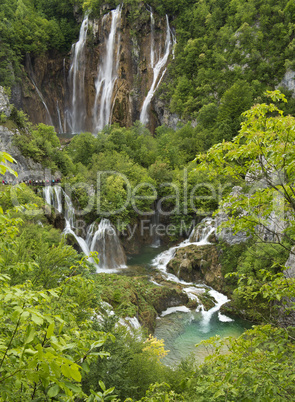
(45,93)
(25,167)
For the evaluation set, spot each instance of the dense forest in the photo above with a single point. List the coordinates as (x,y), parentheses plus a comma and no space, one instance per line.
(235,139)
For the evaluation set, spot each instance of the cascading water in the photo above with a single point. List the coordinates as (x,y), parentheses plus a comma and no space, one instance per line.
(76,113)
(152,40)
(104,240)
(199,239)
(60,129)
(159,70)
(155,223)
(180,327)
(107,74)
(107,243)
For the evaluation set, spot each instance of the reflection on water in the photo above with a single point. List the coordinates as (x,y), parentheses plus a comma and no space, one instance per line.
(146,255)
(182,331)
(141,264)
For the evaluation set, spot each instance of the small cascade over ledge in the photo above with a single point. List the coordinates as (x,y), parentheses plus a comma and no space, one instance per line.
(199,237)
(106,242)
(101,238)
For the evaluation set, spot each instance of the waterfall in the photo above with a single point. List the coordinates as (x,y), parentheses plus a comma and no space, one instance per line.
(159,70)
(76,114)
(199,237)
(155,222)
(53,196)
(202,231)
(107,243)
(207,315)
(162,260)
(107,74)
(152,40)
(60,129)
(49,119)
(104,240)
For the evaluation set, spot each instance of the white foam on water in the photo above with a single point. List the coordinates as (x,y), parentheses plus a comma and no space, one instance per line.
(172,310)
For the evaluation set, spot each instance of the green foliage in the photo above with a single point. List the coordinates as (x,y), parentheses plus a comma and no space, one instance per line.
(227,51)
(263,151)
(33,27)
(41,143)
(47,336)
(131,366)
(258,366)
(4,158)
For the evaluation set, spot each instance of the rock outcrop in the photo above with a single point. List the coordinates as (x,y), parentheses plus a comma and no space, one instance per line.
(4,103)
(197,263)
(25,167)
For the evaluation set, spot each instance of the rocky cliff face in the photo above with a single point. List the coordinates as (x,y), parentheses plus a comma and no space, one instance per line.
(46,92)
(25,167)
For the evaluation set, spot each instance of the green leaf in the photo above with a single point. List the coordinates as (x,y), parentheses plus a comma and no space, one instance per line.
(102,386)
(85,366)
(30,336)
(53,391)
(37,320)
(73,387)
(50,330)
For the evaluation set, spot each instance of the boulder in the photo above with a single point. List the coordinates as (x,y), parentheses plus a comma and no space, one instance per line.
(195,263)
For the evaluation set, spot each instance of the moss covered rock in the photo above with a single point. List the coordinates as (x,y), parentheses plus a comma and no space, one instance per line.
(138,297)
(197,263)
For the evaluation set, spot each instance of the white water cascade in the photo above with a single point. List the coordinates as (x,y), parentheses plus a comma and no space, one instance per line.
(76,114)
(159,69)
(60,129)
(49,119)
(199,237)
(107,243)
(155,223)
(104,239)
(107,74)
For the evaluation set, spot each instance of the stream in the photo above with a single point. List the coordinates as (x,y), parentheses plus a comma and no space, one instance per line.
(180,328)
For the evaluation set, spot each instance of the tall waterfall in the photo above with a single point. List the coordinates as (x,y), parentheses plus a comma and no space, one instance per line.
(159,69)
(104,239)
(152,40)
(107,74)
(76,114)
